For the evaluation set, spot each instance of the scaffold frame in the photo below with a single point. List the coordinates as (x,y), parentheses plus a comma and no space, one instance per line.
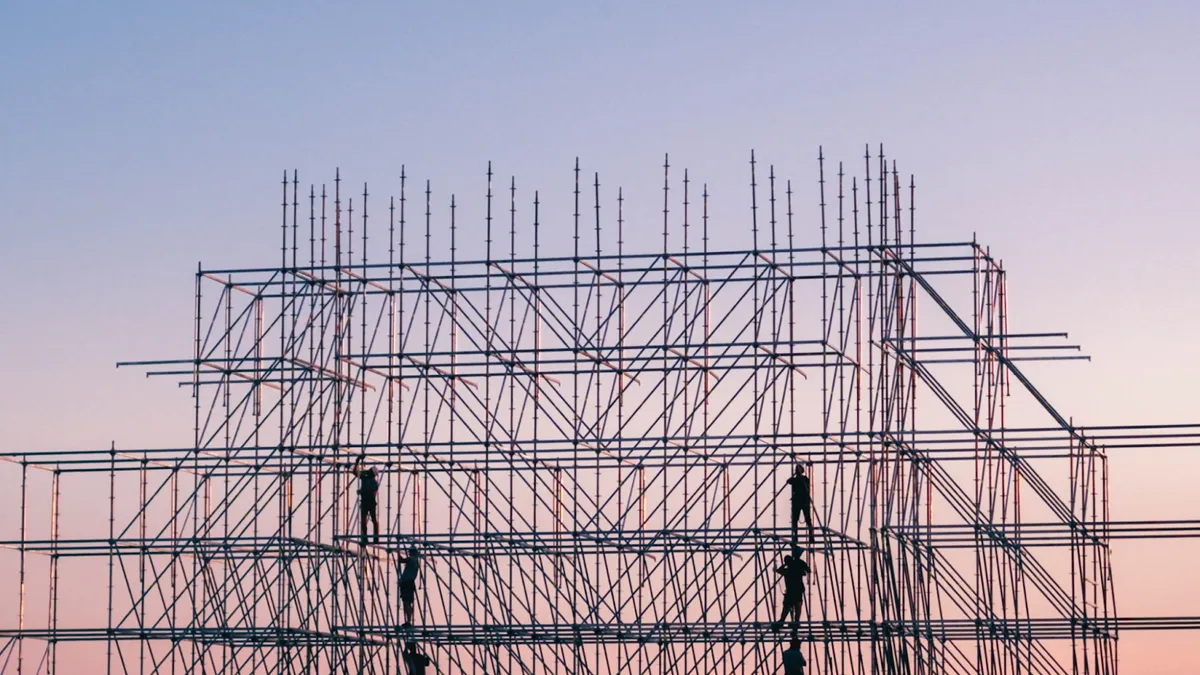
(591,451)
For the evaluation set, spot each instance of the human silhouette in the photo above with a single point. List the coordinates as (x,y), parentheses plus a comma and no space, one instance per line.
(793,660)
(408,582)
(368,506)
(416,661)
(801,500)
(793,569)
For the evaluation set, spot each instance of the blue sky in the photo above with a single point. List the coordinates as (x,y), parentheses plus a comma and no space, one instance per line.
(137,140)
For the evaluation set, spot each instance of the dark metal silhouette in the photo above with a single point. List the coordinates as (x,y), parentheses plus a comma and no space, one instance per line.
(594,441)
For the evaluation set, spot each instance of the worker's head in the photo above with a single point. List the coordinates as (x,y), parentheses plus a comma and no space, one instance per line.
(787,559)
(796,551)
(795,644)
(799,469)
(412,551)
(411,646)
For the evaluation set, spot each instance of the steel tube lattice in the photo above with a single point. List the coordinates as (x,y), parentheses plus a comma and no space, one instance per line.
(591,451)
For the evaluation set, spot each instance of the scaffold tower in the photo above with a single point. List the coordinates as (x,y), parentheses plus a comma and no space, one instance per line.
(589,449)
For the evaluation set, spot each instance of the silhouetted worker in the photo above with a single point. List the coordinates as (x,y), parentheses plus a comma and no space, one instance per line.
(368,506)
(793,660)
(793,570)
(416,661)
(408,582)
(801,499)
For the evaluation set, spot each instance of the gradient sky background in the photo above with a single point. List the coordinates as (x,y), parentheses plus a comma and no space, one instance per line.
(135,142)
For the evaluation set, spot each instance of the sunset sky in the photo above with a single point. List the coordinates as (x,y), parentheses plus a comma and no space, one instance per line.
(138,141)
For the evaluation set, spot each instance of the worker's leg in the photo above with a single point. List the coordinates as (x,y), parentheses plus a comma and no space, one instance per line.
(408,594)
(363,513)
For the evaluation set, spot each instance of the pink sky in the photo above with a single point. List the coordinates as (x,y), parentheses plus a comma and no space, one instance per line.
(139,143)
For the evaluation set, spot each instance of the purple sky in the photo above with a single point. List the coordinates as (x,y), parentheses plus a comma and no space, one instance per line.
(136,142)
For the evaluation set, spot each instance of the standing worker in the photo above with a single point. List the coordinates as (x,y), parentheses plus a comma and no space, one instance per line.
(368,505)
(793,570)
(408,582)
(801,501)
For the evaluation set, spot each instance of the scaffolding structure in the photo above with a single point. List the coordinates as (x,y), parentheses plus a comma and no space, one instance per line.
(591,451)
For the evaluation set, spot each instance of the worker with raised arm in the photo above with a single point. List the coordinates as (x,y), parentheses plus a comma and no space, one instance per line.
(801,500)
(793,569)
(368,504)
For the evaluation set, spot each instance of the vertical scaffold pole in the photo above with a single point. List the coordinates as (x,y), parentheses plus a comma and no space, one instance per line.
(143,506)
(52,646)
(21,567)
(112,551)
